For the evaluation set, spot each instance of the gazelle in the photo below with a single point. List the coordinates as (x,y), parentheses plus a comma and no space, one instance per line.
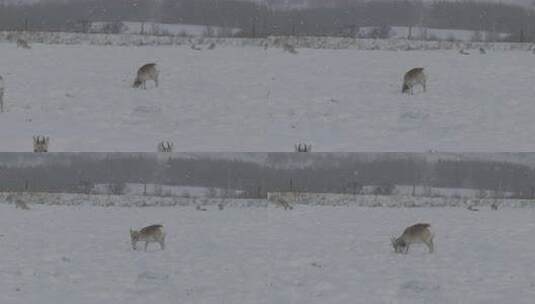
(148,71)
(1,94)
(463,52)
(418,233)
(412,78)
(40,143)
(23,44)
(303,148)
(165,146)
(289,48)
(279,202)
(149,234)
(21,204)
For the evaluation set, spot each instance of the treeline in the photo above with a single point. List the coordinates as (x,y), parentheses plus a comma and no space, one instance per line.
(330,172)
(333,18)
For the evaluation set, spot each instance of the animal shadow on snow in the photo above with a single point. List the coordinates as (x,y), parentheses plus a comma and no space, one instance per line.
(423,290)
(148,281)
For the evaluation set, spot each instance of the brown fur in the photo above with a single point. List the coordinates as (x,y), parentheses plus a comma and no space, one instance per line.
(23,44)
(148,71)
(412,78)
(165,146)
(21,204)
(418,233)
(40,143)
(153,233)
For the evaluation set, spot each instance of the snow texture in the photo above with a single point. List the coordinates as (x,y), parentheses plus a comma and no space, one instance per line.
(251,99)
(294,198)
(315,255)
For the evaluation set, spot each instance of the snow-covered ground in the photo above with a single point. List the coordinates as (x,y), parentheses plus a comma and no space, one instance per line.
(293,198)
(322,255)
(249,99)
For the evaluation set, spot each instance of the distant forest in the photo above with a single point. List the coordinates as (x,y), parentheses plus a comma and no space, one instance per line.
(316,172)
(339,18)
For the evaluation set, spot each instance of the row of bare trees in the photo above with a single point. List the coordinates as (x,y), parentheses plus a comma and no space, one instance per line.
(278,172)
(261,19)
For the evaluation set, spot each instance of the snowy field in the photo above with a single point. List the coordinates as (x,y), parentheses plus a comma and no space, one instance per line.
(315,255)
(249,99)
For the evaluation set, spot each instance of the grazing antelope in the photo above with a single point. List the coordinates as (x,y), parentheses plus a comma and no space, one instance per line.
(463,52)
(418,233)
(212,46)
(21,204)
(472,208)
(482,51)
(283,203)
(289,48)
(23,44)
(165,146)
(148,71)
(1,94)
(494,206)
(149,234)
(412,78)
(303,148)
(40,143)
(200,208)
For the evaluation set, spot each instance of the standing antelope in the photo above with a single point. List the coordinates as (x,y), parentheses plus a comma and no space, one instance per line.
(165,146)
(40,143)
(279,202)
(412,78)
(303,148)
(153,233)
(21,204)
(289,48)
(23,44)
(1,94)
(418,233)
(148,71)
(463,52)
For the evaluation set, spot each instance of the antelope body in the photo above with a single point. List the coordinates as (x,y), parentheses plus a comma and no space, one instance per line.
(289,48)
(303,148)
(23,44)
(1,94)
(40,143)
(21,204)
(283,203)
(148,71)
(165,146)
(149,234)
(418,233)
(463,52)
(412,78)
